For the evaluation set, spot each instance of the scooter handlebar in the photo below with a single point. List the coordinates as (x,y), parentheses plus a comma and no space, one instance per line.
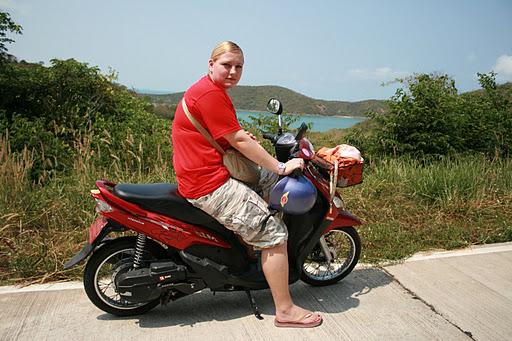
(269,136)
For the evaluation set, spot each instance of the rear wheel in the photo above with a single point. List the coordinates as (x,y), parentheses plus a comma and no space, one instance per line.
(109,261)
(344,247)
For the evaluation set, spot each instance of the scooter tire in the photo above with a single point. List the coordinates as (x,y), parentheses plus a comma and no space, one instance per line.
(351,235)
(99,257)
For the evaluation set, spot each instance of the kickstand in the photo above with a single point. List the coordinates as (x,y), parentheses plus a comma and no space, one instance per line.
(253,305)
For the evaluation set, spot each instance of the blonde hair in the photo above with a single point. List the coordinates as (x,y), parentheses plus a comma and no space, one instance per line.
(225,46)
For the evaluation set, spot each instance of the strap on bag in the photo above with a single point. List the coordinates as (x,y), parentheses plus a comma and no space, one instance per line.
(200,128)
(239,167)
(333,175)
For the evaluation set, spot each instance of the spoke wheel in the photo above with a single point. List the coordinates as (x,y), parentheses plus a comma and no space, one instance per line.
(108,262)
(344,248)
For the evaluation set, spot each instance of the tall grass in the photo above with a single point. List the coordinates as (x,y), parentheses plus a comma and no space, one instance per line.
(43,223)
(443,182)
(407,205)
(411,205)
(463,179)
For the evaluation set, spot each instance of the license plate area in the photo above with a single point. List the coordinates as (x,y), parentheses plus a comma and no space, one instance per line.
(95,228)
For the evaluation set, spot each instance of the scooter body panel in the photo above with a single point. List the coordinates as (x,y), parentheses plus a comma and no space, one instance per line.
(203,253)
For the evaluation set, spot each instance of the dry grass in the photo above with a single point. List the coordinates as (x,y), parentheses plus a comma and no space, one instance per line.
(42,226)
(407,206)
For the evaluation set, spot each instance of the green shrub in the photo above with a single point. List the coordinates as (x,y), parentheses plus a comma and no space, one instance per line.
(429,118)
(50,109)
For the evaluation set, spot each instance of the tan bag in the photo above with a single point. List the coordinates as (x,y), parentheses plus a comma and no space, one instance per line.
(343,162)
(239,167)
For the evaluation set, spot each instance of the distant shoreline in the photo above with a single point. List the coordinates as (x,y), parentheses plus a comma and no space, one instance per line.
(251,111)
(295,114)
(347,116)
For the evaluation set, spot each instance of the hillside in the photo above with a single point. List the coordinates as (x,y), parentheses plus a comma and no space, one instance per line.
(504,89)
(256,97)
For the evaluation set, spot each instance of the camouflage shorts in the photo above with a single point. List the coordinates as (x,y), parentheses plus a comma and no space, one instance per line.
(244,212)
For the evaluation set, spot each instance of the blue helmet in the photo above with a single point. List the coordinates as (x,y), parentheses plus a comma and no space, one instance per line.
(293,195)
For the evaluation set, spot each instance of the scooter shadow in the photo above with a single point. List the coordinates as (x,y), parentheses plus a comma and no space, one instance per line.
(205,306)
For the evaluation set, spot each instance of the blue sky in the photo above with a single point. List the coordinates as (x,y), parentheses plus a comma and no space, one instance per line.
(335,50)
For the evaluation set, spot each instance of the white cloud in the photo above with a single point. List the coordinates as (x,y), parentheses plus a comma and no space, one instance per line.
(381,74)
(503,67)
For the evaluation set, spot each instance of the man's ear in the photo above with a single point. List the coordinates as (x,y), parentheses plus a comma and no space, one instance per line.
(210,65)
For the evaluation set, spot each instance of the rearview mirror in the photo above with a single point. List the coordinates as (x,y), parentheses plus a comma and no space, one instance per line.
(274,106)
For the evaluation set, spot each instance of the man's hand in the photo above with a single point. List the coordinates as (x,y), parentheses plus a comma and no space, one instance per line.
(292,165)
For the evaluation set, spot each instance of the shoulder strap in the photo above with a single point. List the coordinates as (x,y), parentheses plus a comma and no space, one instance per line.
(200,128)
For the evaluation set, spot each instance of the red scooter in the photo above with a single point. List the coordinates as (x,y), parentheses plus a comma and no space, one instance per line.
(176,249)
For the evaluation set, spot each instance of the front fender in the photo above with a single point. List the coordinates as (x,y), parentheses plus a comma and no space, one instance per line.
(344,219)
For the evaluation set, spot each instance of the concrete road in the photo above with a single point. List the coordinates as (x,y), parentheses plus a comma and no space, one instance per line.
(460,295)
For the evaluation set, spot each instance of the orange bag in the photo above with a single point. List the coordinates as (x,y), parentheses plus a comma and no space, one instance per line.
(344,162)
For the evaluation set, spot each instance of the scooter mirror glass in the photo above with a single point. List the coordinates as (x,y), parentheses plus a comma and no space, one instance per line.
(274,106)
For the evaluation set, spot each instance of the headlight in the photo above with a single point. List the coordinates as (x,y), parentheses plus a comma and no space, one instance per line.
(337,202)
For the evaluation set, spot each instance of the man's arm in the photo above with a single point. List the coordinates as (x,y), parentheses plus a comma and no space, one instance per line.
(252,150)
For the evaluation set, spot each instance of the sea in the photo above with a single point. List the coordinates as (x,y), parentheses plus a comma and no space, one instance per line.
(320,123)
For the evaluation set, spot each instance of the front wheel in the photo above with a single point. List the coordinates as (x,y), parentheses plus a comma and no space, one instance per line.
(344,247)
(108,262)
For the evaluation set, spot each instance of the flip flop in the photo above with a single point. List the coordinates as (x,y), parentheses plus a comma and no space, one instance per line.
(301,324)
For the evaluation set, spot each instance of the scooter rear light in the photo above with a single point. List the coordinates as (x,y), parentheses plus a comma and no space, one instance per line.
(102,207)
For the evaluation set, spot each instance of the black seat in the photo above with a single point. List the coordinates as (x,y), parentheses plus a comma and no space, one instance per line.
(164,198)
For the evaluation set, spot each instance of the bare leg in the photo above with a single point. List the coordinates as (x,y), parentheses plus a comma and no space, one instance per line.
(275,267)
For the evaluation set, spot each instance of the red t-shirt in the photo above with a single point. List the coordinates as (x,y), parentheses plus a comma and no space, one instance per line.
(198,165)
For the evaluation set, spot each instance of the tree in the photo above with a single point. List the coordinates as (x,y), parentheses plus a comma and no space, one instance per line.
(6,25)
(423,117)
(489,113)
(50,110)
(429,118)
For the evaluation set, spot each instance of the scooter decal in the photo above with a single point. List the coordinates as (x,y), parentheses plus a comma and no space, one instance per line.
(284,199)
(206,235)
(135,221)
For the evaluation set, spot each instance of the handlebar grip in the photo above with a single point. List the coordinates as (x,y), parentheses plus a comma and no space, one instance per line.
(269,136)
(296,173)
